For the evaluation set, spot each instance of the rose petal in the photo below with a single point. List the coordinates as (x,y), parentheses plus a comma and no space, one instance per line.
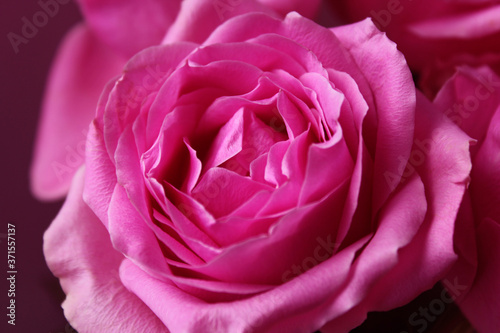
(400,219)
(78,251)
(143,75)
(430,254)
(329,164)
(221,191)
(273,311)
(390,81)
(237,263)
(272,172)
(100,178)
(224,107)
(131,235)
(191,77)
(481,303)
(264,57)
(129,211)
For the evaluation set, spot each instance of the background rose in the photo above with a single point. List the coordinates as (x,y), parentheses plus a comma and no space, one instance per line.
(435,36)
(96,50)
(471,99)
(213,171)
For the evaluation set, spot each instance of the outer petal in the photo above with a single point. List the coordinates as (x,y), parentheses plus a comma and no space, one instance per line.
(399,221)
(274,311)
(481,305)
(80,71)
(470,98)
(393,92)
(486,173)
(79,252)
(430,254)
(209,15)
(130,26)
(431,32)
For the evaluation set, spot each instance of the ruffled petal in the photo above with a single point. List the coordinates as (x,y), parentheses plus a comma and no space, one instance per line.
(273,311)
(420,261)
(391,122)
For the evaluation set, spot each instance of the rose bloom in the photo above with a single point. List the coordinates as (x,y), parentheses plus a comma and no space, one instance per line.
(278,177)
(471,99)
(435,36)
(96,50)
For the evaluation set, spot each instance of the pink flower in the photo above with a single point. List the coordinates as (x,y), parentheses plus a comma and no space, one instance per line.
(435,36)
(279,177)
(95,51)
(471,99)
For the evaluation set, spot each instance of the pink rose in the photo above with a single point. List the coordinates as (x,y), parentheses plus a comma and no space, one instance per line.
(95,51)
(471,99)
(435,36)
(279,177)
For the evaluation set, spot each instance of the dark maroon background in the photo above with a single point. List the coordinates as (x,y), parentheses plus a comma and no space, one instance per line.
(38,295)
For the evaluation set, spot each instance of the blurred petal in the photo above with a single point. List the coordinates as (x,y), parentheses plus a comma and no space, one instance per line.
(308,8)
(80,71)
(485,188)
(130,26)
(471,25)
(209,15)
(481,305)
(469,99)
